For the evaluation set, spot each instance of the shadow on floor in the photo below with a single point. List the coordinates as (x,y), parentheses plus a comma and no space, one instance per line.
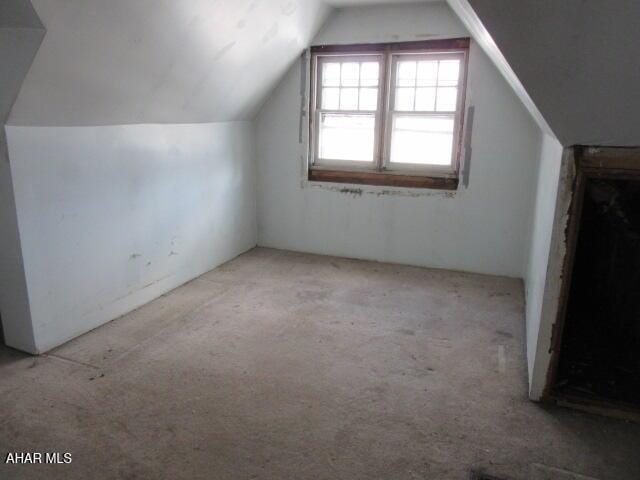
(10,355)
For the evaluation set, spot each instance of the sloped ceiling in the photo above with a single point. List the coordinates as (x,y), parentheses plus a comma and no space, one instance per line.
(577,59)
(18,47)
(165,61)
(161,61)
(20,35)
(18,14)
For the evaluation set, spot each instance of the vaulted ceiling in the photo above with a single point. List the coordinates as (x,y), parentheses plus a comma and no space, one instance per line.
(20,35)
(577,60)
(161,61)
(166,61)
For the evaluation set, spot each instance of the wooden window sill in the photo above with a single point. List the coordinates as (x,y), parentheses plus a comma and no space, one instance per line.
(383,179)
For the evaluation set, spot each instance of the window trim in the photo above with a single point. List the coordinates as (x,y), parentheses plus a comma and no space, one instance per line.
(444,170)
(380,172)
(316,112)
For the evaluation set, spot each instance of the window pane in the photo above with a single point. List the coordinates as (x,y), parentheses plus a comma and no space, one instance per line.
(368,99)
(406,74)
(447,99)
(346,137)
(331,74)
(350,74)
(349,99)
(331,98)
(449,73)
(369,74)
(425,99)
(404,99)
(427,73)
(422,140)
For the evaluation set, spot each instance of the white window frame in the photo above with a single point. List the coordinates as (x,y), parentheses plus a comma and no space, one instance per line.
(436,170)
(318,111)
(388,56)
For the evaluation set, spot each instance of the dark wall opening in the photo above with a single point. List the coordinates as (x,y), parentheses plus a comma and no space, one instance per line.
(600,347)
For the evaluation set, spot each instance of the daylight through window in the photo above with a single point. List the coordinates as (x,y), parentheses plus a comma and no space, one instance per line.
(388,114)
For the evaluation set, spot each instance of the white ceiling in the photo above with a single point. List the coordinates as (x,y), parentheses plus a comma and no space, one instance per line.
(161,61)
(18,14)
(164,61)
(20,35)
(577,59)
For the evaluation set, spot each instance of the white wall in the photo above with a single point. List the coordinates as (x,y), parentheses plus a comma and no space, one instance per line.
(540,243)
(481,229)
(546,261)
(112,217)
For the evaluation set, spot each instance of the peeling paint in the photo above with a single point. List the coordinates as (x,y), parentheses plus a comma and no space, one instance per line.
(356,192)
(378,191)
(540,344)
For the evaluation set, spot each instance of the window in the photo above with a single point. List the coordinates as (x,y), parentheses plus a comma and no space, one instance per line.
(388,114)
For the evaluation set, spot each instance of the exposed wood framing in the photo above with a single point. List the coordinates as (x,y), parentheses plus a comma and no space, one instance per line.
(379,178)
(591,162)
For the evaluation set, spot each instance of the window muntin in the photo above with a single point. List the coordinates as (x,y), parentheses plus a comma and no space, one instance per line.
(424,109)
(347,111)
(391,111)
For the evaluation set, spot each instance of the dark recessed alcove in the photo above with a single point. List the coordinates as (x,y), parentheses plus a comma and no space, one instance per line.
(600,346)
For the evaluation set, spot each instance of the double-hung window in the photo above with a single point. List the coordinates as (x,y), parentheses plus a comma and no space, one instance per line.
(388,114)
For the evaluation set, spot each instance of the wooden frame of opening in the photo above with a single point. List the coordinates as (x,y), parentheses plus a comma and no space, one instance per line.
(378,172)
(591,163)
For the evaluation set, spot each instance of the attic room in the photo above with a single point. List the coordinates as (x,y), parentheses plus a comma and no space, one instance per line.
(347,239)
